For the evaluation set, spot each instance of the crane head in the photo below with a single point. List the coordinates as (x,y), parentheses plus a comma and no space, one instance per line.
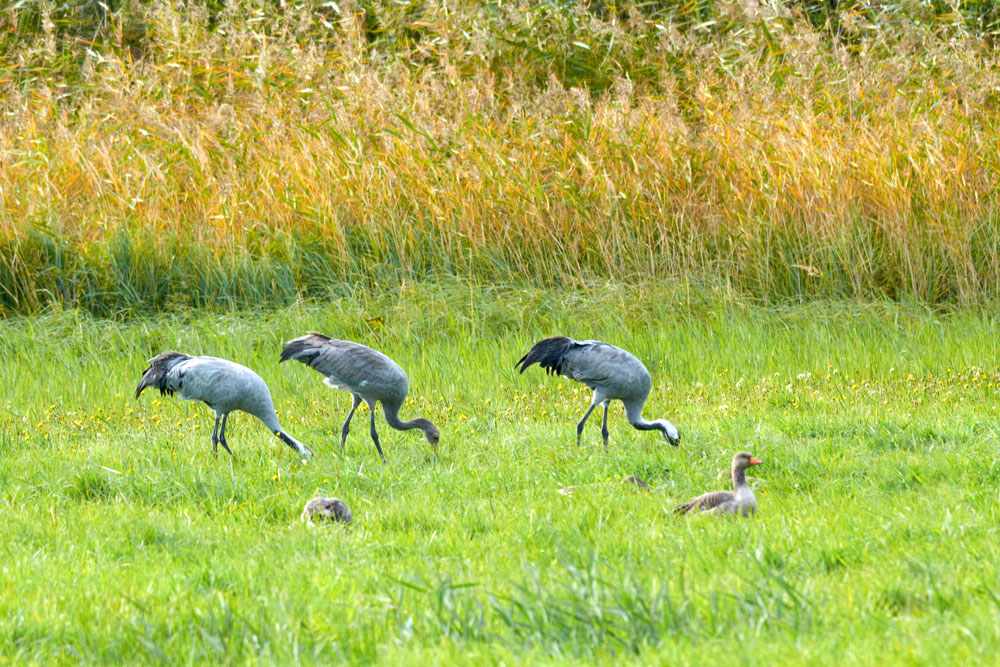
(430,431)
(669,432)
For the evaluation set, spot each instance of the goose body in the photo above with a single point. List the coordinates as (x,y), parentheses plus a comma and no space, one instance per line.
(331,509)
(610,372)
(223,385)
(739,501)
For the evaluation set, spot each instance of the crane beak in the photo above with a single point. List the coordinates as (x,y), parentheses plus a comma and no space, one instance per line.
(303,451)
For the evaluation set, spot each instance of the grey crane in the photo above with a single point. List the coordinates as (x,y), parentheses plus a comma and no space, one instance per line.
(738,501)
(612,374)
(368,374)
(222,385)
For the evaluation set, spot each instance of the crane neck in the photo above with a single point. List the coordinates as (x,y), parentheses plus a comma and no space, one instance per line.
(270,420)
(392,418)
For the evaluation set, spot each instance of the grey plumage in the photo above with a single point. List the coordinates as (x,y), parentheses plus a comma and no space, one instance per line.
(740,500)
(367,374)
(333,509)
(222,385)
(611,372)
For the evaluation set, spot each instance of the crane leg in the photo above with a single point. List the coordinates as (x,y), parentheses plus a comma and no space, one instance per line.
(215,434)
(375,434)
(604,426)
(347,424)
(222,434)
(579,427)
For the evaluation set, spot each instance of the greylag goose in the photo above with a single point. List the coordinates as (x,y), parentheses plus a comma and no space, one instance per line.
(333,509)
(738,501)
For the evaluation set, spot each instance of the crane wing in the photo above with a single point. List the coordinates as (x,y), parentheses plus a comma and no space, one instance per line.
(158,375)
(594,363)
(351,366)
(580,361)
(549,353)
(209,379)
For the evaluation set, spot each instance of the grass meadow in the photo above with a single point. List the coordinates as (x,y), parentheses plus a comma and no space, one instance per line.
(125,540)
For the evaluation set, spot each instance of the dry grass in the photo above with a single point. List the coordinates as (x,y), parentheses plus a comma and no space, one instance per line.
(281,152)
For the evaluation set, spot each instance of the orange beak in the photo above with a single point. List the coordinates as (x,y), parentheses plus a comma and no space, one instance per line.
(754,461)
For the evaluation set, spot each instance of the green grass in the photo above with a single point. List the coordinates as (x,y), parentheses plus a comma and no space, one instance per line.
(124,540)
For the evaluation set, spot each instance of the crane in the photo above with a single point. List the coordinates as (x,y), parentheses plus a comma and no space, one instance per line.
(222,385)
(611,372)
(368,374)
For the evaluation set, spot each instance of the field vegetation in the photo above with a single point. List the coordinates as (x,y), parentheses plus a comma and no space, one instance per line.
(158,154)
(124,540)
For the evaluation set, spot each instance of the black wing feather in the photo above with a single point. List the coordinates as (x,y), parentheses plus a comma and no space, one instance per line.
(549,354)
(305,349)
(156,374)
